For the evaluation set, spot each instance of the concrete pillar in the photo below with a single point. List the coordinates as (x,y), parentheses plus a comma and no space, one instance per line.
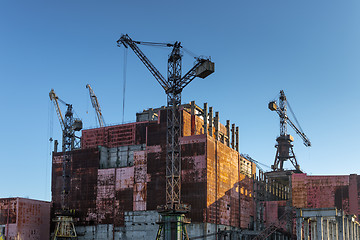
(233,136)
(306,229)
(313,229)
(56,143)
(216,125)
(299,222)
(319,228)
(351,225)
(228,133)
(334,230)
(210,121)
(237,139)
(346,228)
(205,117)
(326,235)
(193,118)
(340,226)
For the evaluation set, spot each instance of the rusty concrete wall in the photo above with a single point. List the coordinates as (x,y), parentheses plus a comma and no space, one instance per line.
(275,213)
(194,175)
(83,186)
(216,181)
(229,190)
(341,192)
(28,219)
(114,136)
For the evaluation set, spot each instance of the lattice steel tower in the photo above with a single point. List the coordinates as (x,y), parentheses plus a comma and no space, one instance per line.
(172,224)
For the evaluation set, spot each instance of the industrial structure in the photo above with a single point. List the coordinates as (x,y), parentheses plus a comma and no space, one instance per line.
(118,181)
(69,125)
(284,141)
(177,173)
(22,218)
(178,165)
(172,224)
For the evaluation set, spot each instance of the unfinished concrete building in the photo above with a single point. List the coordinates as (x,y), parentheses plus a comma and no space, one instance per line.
(310,194)
(118,181)
(118,176)
(22,218)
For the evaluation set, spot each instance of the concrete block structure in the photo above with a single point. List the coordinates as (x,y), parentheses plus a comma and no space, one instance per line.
(326,223)
(118,177)
(22,218)
(118,181)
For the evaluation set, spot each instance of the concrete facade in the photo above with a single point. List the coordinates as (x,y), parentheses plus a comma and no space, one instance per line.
(22,218)
(118,177)
(326,223)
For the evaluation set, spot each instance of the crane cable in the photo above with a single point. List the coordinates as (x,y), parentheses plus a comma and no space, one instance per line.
(124,83)
(294,117)
(50,145)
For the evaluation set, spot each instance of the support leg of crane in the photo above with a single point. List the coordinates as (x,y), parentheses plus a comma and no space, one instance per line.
(172,226)
(65,228)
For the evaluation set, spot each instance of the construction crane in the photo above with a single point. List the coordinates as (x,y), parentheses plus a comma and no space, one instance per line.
(96,105)
(64,222)
(172,224)
(284,145)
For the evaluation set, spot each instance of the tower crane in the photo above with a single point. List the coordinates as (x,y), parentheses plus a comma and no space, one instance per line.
(96,105)
(64,222)
(172,224)
(284,145)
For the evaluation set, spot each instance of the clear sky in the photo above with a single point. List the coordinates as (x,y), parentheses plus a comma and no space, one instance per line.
(310,49)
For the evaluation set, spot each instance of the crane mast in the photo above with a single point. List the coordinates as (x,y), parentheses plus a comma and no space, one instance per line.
(173,211)
(284,144)
(96,105)
(64,223)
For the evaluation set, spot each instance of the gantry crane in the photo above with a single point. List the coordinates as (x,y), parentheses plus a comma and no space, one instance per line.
(172,224)
(284,145)
(96,105)
(64,222)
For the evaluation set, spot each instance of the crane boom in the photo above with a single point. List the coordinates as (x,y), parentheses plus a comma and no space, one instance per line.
(55,99)
(96,105)
(128,42)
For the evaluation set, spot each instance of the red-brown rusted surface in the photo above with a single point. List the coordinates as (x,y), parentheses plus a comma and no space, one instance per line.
(229,190)
(28,219)
(114,136)
(326,191)
(213,180)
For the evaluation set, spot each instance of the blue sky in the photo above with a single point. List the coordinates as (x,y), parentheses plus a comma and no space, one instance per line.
(310,49)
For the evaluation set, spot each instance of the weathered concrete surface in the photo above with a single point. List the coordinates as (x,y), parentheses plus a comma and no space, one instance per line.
(341,192)
(27,218)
